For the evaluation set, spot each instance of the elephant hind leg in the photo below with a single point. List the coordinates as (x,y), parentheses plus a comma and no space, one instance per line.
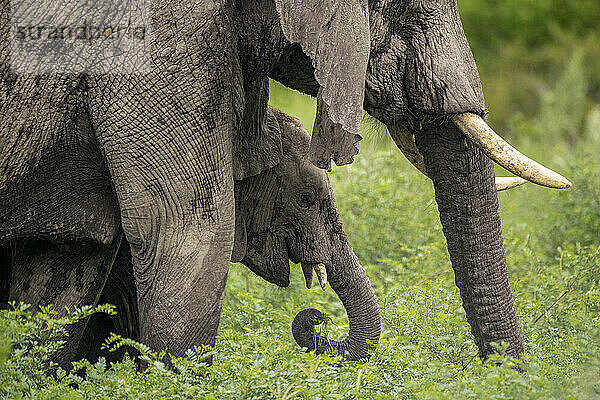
(97,330)
(5,272)
(120,291)
(67,275)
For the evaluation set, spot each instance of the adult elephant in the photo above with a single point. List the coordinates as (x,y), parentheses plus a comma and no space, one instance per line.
(408,64)
(168,136)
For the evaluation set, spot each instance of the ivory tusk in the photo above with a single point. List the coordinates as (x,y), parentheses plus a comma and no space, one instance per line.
(406,143)
(307,270)
(496,148)
(508,182)
(321,274)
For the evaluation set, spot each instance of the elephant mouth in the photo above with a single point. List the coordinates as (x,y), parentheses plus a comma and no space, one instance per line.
(276,268)
(308,267)
(279,273)
(273,265)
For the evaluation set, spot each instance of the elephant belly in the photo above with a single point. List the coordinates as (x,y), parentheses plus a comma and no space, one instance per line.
(67,195)
(53,181)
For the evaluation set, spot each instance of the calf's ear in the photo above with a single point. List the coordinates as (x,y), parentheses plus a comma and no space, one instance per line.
(257,142)
(335,35)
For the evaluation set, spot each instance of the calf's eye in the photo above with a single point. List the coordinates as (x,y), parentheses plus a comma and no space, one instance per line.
(306,199)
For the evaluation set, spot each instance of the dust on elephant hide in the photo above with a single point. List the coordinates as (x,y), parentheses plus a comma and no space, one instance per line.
(152,157)
(284,213)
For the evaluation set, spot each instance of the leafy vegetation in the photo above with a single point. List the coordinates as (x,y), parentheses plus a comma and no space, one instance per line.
(426,350)
(539,62)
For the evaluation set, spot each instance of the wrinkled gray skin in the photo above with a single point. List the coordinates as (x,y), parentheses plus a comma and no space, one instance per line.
(169,140)
(420,71)
(285,212)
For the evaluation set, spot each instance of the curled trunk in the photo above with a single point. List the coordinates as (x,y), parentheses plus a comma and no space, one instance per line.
(465,192)
(351,284)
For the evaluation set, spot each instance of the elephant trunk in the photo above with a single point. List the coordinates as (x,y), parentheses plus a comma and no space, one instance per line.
(463,178)
(349,281)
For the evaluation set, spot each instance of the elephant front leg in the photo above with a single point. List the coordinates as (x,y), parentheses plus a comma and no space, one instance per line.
(69,275)
(172,173)
(180,273)
(180,247)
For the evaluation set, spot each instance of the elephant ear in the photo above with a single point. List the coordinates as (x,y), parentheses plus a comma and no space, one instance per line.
(335,35)
(257,143)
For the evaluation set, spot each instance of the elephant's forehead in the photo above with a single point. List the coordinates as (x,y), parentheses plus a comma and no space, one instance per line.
(300,172)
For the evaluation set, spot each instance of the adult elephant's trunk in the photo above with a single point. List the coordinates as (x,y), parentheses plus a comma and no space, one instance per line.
(463,178)
(348,279)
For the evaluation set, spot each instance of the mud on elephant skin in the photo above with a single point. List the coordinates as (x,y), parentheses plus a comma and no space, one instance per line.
(285,213)
(411,68)
(170,139)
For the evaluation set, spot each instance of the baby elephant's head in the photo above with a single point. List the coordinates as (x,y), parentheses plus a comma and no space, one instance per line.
(287,213)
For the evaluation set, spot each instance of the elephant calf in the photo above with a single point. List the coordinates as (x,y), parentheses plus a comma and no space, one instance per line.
(284,213)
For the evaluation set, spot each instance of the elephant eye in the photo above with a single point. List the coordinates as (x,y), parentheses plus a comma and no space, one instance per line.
(306,199)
